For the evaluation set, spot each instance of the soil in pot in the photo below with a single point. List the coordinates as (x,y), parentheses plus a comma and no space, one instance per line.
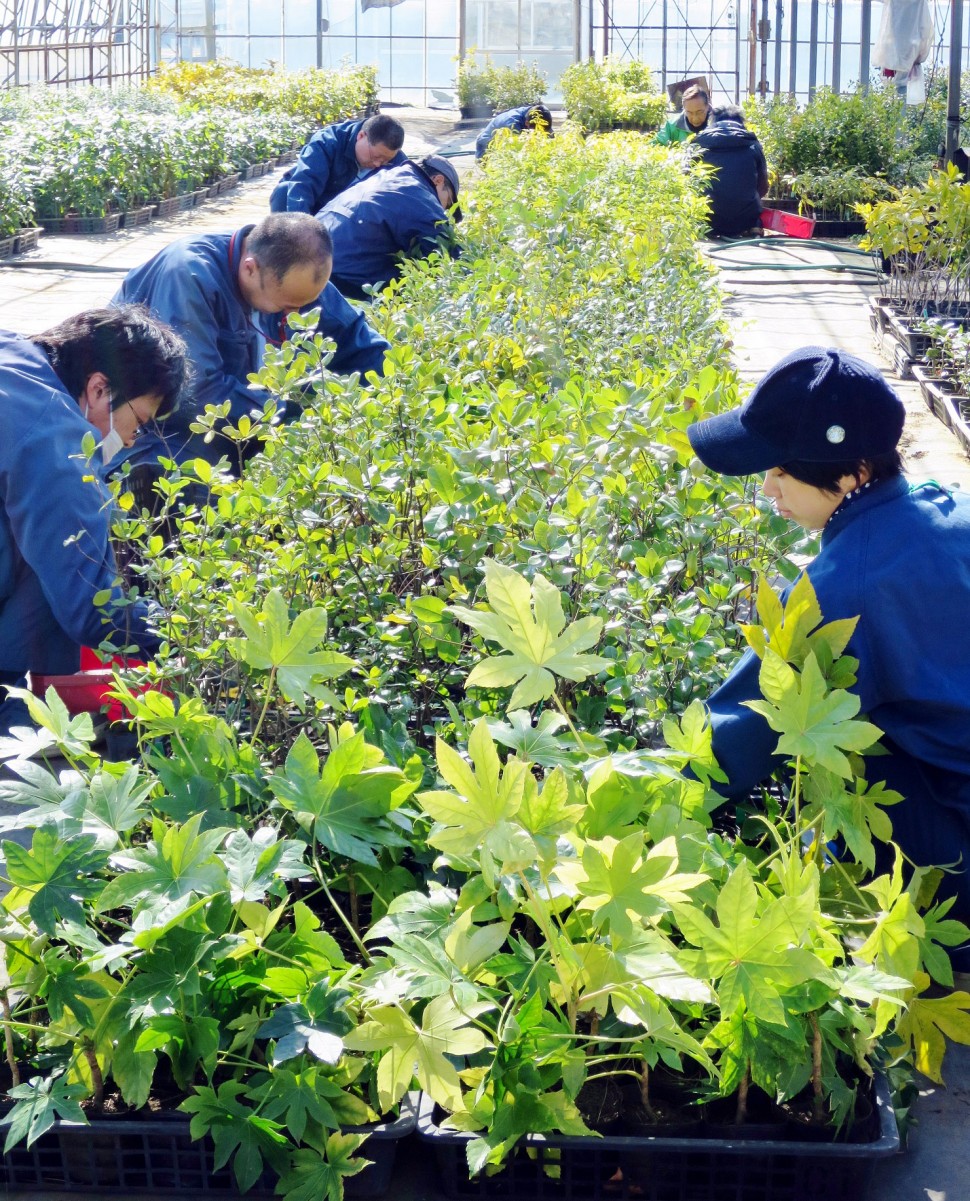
(661,1117)
(763,1118)
(599,1102)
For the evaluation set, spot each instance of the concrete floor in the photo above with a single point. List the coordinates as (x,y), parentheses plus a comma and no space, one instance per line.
(771,312)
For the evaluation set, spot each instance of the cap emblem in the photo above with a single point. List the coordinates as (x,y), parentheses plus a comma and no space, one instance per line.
(835,434)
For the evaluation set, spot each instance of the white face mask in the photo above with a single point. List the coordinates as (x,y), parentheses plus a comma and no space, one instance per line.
(112,442)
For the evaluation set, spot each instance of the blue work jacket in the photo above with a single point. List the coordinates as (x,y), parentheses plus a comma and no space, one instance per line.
(741,176)
(327,166)
(513,118)
(393,212)
(898,558)
(193,284)
(55,549)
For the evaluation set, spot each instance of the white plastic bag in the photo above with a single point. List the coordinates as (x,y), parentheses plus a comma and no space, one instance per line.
(905,35)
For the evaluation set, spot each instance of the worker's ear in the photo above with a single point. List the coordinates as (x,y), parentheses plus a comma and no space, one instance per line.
(95,398)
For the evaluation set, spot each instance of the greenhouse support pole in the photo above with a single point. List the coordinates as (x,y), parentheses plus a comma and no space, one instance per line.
(663,48)
(812,47)
(793,48)
(462,15)
(953,87)
(606,28)
(319,34)
(779,20)
(763,35)
(577,31)
(752,47)
(865,38)
(836,45)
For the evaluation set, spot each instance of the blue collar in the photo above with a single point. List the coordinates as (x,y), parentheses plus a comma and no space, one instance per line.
(854,504)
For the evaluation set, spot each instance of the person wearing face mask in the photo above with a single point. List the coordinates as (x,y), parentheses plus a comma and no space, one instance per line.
(823,427)
(105,372)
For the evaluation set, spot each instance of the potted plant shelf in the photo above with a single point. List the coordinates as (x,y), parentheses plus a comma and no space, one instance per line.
(147,1154)
(660,1168)
(77,223)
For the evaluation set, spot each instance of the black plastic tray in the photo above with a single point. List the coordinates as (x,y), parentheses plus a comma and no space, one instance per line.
(566,1168)
(156,1156)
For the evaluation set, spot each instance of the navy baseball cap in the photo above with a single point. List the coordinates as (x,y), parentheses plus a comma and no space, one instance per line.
(816,405)
(434,164)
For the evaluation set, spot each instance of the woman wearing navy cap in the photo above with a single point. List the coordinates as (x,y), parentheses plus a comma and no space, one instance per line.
(823,427)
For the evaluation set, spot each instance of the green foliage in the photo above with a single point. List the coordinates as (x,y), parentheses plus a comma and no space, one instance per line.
(93,151)
(481,84)
(313,97)
(613,94)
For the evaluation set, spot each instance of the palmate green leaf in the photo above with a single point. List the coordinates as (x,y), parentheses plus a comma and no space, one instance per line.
(342,803)
(537,744)
(814,722)
(853,811)
(171,871)
(68,986)
(927,1023)
(37,1104)
(618,881)
(753,953)
(424,1051)
(529,623)
(54,727)
(310,1177)
(480,817)
(794,630)
(272,643)
(692,735)
(236,1130)
(53,877)
(316,1026)
(299,1097)
(253,863)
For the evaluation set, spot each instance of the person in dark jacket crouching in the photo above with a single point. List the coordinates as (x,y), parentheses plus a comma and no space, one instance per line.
(740,172)
(336,157)
(104,373)
(229,294)
(823,426)
(398,212)
(518,120)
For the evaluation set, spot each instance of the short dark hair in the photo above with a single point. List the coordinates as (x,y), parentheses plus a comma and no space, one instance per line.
(826,476)
(536,114)
(284,240)
(728,112)
(692,91)
(384,130)
(140,355)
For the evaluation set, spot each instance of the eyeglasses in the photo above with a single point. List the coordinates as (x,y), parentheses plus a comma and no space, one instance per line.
(142,421)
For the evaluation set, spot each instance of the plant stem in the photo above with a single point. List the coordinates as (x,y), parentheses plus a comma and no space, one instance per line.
(645,1090)
(741,1111)
(8,1038)
(818,1098)
(358,942)
(97,1080)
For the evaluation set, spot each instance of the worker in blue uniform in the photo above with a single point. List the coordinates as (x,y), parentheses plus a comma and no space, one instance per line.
(399,212)
(106,373)
(823,426)
(336,157)
(526,116)
(227,294)
(740,174)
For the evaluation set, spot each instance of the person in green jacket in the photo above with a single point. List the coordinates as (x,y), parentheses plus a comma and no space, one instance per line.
(693,117)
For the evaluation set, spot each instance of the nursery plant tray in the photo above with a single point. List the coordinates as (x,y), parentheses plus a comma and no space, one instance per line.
(26,239)
(132,218)
(163,209)
(937,392)
(567,1168)
(82,225)
(157,1156)
(959,407)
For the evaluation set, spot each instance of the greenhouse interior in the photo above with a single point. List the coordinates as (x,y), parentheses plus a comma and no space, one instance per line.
(484,710)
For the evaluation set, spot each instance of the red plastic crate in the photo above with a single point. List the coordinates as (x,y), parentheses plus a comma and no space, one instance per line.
(787,223)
